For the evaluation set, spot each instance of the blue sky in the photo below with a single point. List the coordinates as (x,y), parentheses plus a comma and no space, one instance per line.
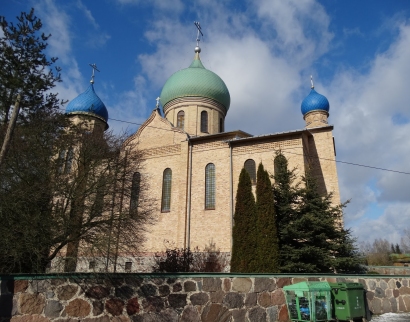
(357,51)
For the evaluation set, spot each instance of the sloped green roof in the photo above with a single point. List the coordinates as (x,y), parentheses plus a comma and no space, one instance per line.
(400,258)
(193,81)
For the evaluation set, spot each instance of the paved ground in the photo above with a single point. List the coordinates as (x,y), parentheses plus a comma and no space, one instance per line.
(392,317)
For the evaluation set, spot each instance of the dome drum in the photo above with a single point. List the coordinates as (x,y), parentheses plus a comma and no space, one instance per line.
(194,100)
(314,112)
(88,121)
(86,114)
(316,118)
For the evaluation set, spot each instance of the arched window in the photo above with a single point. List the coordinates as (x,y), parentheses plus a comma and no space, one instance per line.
(65,160)
(69,161)
(98,205)
(250,167)
(135,191)
(210,186)
(221,125)
(61,161)
(166,190)
(280,163)
(204,121)
(180,120)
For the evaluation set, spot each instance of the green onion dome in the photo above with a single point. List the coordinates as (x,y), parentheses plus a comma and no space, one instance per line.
(195,81)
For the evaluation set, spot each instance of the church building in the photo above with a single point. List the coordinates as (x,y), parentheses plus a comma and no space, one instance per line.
(192,164)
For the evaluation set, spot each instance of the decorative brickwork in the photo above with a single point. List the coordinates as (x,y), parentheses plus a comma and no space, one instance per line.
(167,150)
(270,146)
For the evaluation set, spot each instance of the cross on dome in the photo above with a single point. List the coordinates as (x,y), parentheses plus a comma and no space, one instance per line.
(94,67)
(199,32)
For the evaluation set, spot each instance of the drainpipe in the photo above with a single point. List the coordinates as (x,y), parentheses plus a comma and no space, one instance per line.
(231,189)
(188,222)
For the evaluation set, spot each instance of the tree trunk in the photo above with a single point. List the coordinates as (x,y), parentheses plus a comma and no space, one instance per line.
(10,130)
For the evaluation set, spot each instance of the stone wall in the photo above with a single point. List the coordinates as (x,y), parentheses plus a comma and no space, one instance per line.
(166,297)
(389,270)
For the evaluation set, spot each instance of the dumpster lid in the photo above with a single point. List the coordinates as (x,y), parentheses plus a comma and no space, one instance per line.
(348,286)
(308,286)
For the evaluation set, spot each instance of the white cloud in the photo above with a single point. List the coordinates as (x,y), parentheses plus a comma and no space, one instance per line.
(132,107)
(347,32)
(394,186)
(363,107)
(96,38)
(57,22)
(298,29)
(167,6)
(389,225)
(87,14)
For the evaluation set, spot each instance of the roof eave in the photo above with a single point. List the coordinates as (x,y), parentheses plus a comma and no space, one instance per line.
(299,132)
(240,133)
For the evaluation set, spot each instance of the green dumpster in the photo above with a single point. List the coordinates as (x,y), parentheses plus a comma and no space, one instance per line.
(348,301)
(308,301)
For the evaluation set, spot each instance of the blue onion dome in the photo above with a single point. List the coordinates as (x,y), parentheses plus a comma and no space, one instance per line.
(88,103)
(313,102)
(195,81)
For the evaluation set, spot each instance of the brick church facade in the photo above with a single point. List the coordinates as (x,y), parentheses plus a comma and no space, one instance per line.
(192,165)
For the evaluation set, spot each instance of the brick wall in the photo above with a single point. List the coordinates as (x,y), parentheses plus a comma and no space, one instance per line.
(188,223)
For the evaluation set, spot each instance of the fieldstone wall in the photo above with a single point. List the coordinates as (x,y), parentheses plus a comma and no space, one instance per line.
(165,297)
(390,270)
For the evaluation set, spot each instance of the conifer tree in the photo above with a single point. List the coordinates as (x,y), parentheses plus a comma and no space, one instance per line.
(315,231)
(311,235)
(244,241)
(347,258)
(26,75)
(267,238)
(392,248)
(285,194)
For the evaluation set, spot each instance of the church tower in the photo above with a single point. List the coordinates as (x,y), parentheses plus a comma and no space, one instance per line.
(320,146)
(89,113)
(195,99)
